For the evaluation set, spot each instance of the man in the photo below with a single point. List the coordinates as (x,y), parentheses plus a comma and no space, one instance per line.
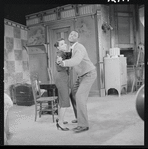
(87,74)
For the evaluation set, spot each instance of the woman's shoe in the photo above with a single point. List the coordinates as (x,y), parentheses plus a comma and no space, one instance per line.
(74,121)
(65,122)
(58,126)
(57,120)
(64,129)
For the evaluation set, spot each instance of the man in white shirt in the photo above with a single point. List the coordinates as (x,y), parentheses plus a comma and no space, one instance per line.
(86,72)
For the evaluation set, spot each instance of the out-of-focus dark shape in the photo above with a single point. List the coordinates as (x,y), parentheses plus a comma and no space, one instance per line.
(140,102)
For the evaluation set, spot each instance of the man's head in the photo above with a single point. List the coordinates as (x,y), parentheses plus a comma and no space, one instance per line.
(73,36)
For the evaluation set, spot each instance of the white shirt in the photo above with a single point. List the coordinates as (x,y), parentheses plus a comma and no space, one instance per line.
(73,45)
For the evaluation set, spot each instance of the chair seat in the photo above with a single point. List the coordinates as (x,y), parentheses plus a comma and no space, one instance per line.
(46,99)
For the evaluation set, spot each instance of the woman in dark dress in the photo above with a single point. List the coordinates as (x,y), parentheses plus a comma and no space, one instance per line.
(62,81)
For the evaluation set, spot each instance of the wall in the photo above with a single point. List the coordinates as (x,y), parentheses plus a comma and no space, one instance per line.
(127,34)
(37,52)
(16,66)
(86,27)
(105,36)
(103,44)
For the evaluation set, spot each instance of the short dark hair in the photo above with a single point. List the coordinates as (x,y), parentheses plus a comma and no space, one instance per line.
(57,43)
(76,30)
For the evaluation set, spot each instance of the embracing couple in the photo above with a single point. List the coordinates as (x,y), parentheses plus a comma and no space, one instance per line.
(86,75)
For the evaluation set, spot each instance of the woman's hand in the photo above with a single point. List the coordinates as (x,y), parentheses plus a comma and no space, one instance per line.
(59,59)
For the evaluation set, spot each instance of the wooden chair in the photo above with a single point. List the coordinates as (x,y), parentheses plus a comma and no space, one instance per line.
(43,104)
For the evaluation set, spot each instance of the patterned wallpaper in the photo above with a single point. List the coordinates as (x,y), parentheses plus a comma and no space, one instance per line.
(16,62)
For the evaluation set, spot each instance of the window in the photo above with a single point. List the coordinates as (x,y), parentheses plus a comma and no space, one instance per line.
(141,23)
(124,26)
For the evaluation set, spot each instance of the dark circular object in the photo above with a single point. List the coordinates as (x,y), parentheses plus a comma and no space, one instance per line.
(140,102)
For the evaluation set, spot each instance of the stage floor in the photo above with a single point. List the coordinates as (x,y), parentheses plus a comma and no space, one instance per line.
(112,121)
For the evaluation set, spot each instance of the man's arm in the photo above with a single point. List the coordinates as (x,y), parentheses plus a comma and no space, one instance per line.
(76,59)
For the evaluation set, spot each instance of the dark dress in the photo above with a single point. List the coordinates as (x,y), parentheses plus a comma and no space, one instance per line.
(62,81)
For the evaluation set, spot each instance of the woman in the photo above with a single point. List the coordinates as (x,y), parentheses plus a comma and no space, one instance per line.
(61,81)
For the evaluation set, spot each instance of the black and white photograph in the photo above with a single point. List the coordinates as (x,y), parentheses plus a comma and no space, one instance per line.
(74,74)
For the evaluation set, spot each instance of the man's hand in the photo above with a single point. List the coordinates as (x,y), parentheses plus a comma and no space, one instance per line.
(61,63)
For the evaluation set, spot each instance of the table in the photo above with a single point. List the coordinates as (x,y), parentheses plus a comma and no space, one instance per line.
(51,89)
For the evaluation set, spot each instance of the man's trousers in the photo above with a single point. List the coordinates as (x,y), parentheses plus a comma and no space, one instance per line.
(79,96)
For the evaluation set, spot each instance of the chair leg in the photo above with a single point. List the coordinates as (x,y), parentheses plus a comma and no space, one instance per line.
(35,112)
(55,108)
(52,111)
(40,112)
(57,111)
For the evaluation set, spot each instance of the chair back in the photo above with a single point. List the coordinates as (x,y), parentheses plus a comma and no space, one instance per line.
(50,75)
(35,87)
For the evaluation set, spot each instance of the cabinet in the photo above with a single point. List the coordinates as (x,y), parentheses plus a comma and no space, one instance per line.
(115,73)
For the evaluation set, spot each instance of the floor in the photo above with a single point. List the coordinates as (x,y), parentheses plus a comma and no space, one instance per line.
(112,121)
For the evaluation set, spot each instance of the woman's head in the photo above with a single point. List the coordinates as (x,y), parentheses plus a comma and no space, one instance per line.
(61,45)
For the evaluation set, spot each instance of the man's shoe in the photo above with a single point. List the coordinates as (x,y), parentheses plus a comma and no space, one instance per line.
(81,129)
(76,128)
(74,121)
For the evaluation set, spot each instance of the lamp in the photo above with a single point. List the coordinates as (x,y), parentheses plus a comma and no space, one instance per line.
(106,26)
